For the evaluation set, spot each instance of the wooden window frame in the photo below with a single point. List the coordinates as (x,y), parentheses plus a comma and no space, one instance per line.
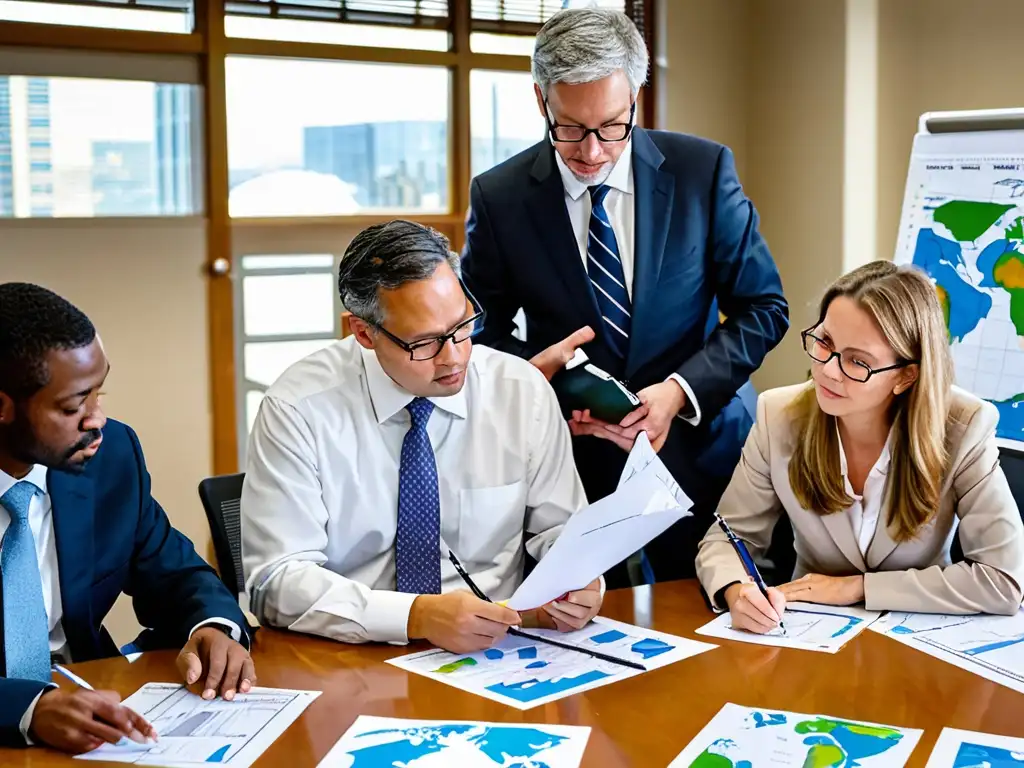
(209,44)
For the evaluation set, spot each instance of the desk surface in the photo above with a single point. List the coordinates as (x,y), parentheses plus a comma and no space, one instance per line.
(643,721)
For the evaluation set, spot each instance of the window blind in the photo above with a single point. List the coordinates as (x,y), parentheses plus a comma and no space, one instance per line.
(176,6)
(404,13)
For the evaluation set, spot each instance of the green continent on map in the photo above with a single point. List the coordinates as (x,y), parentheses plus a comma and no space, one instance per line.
(944,303)
(827,725)
(455,666)
(824,756)
(709,759)
(1016,230)
(1008,273)
(969,219)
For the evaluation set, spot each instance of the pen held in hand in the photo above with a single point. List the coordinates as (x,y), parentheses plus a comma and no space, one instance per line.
(748,563)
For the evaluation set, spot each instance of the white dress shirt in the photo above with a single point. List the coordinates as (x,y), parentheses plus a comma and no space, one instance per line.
(620,205)
(863,513)
(320,500)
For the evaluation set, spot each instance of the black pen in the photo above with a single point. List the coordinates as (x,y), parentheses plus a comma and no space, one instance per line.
(537,638)
(748,562)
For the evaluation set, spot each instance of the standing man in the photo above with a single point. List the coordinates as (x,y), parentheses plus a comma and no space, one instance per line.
(628,242)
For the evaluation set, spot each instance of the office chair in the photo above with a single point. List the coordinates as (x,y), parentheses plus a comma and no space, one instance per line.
(221,496)
(1012,462)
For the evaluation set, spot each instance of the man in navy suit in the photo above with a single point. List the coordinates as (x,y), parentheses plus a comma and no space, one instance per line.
(80,527)
(628,242)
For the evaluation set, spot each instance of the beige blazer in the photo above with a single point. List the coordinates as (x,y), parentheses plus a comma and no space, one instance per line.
(915,575)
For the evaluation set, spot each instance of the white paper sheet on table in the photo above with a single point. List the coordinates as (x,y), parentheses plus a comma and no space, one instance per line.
(523,673)
(198,732)
(387,741)
(956,748)
(764,738)
(647,501)
(809,627)
(989,646)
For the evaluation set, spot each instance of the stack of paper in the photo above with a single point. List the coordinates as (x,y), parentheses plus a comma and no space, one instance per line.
(647,501)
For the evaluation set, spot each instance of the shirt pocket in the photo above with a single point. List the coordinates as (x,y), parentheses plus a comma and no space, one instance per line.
(491,521)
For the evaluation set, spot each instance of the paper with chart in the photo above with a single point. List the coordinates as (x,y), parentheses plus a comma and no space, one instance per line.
(759,738)
(197,732)
(989,646)
(809,627)
(970,749)
(963,224)
(647,501)
(384,742)
(523,673)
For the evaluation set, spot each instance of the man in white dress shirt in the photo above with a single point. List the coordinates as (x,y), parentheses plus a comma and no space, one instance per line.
(372,457)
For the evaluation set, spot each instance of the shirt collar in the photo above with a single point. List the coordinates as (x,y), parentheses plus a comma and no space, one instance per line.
(621,177)
(881,466)
(388,398)
(36,476)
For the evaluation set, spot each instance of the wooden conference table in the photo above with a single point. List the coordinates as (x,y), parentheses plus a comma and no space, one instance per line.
(644,721)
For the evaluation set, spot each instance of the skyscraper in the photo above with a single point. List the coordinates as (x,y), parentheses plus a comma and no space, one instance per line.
(26,152)
(172,148)
(122,178)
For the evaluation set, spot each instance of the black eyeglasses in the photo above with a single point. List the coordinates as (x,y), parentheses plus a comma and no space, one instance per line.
(821,351)
(574,134)
(428,349)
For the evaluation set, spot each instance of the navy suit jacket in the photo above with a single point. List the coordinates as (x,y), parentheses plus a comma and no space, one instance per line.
(697,250)
(113,537)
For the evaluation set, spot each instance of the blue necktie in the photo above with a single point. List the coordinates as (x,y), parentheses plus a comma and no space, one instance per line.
(604,266)
(26,629)
(418,542)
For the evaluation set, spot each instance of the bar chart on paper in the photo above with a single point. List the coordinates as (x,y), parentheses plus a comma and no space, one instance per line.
(198,732)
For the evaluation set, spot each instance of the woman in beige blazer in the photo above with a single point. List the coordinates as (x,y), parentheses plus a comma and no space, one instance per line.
(877,461)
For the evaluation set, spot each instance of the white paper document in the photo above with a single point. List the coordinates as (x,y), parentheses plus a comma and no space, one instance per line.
(647,501)
(809,627)
(198,732)
(523,673)
(384,742)
(989,646)
(761,738)
(970,749)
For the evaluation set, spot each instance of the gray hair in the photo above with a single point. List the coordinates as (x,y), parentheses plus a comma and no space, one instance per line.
(583,45)
(387,256)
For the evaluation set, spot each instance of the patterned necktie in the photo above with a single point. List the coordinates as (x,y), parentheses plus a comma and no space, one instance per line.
(26,629)
(417,544)
(605,270)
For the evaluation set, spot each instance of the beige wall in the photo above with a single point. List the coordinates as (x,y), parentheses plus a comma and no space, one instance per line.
(142,285)
(938,55)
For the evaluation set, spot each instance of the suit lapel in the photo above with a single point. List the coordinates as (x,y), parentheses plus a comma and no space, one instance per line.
(839,528)
(884,540)
(546,202)
(653,190)
(71,497)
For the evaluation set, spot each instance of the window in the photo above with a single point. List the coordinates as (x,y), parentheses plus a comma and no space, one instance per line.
(288,308)
(63,155)
(505,119)
(146,15)
(323,138)
(406,24)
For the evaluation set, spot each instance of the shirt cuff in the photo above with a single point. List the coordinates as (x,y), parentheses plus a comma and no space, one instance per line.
(386,616)
(234,629)
(25,725)
(691,400)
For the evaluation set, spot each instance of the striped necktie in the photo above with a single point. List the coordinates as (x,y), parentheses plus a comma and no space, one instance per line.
(604,266)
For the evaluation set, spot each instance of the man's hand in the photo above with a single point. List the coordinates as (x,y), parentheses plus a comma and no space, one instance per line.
(828,590)
(553,359)
(661,404)
(459,621)
(576,609)
(582,423)
(83,720)
(212,660)
(750,611)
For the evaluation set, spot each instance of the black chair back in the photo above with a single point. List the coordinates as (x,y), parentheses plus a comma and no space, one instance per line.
(1012,462)
(221,498)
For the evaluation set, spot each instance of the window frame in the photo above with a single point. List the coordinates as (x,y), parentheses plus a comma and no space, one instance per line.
(207,47)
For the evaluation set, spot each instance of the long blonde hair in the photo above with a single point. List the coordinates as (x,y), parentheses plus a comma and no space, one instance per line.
(904,304)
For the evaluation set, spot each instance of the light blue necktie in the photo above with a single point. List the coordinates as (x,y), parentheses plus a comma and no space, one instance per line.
(26,629)
(418,542)
(604,266)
